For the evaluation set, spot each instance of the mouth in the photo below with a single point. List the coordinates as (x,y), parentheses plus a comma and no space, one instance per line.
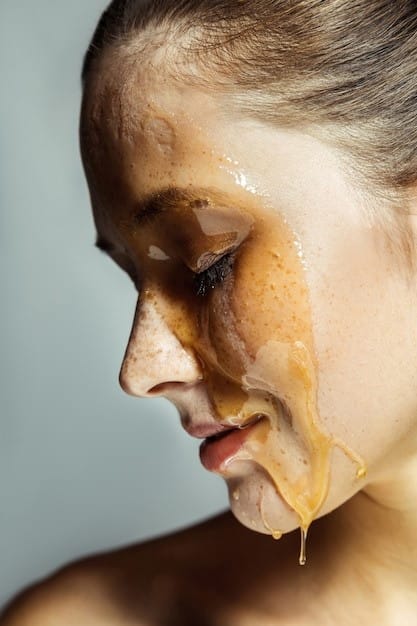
(219,448)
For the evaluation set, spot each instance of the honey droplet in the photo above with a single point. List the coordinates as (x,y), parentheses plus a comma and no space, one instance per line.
(303,549)
(361,473)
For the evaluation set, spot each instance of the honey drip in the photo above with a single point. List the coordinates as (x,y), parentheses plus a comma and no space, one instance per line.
(251,330)
(254,340)
(303,548)
(277,369)
(275,534)
(278,445)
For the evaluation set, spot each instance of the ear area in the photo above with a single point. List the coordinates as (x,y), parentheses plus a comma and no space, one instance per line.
(410,200)
(408,233)
(412,227)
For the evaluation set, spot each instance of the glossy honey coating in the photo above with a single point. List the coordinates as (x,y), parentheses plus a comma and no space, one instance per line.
(278,359)
(251,365)
(249,369)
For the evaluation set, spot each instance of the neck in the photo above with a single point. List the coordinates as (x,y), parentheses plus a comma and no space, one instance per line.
(381,537)
(390,507)
(361,560)
(370,551)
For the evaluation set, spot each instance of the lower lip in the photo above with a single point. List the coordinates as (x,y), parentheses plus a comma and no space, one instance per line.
(214,453)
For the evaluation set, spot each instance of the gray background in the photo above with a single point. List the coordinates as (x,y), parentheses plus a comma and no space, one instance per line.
(82,466)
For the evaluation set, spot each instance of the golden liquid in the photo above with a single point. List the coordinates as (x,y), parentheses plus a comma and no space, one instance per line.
(303,548)
(253,337)
(252,334)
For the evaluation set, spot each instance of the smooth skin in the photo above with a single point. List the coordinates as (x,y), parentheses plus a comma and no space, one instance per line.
(362,555)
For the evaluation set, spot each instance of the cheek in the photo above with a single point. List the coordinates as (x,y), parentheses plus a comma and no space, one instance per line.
(260,327)
(270,299)
(365,338)
(255,323)
(264,302)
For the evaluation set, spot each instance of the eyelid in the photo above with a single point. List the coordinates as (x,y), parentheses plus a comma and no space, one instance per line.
(214,275)
(209,258)
(206,260)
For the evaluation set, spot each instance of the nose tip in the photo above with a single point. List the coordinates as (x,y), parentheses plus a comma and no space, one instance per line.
(144,388)
(156,375)
(155,361)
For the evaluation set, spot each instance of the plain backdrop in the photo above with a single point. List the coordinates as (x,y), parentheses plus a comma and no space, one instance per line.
(82,466)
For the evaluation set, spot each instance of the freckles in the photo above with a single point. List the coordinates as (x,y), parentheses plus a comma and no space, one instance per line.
(270,296)
(265,340)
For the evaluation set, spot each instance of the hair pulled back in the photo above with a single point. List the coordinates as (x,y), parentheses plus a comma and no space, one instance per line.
(344,69)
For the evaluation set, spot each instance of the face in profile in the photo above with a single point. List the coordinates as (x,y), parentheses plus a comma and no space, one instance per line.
(271,311)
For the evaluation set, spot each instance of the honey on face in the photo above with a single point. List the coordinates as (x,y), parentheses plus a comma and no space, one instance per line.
(251,332)
(226,274)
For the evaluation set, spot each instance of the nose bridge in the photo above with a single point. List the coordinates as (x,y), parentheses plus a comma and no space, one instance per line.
(154,355)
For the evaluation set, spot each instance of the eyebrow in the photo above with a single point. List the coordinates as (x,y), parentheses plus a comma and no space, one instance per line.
(163,200)
(171,198)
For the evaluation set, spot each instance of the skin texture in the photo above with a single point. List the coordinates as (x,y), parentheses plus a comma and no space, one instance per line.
(349,303)
(169,135)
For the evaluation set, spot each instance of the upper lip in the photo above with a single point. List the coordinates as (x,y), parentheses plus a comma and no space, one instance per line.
(198,414)
(202,431)
(210,429)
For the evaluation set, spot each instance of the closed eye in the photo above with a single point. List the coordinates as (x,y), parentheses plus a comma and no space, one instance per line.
(214,275)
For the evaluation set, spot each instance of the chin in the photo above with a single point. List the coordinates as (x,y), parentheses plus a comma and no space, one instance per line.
(255,503)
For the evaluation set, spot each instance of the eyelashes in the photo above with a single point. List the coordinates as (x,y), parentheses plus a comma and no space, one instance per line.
(202,282)
(214,275)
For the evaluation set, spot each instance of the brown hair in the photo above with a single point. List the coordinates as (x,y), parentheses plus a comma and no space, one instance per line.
(345,70)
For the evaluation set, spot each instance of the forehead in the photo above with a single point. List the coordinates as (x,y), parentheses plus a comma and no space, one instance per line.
(141,130)
(125,98)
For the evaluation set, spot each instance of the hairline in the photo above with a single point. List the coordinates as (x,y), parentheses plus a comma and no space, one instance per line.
(381,203)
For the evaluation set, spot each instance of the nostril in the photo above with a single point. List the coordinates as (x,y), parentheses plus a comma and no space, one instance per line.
(157,390)
(163,388)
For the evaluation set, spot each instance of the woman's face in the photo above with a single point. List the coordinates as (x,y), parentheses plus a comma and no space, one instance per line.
(266,298)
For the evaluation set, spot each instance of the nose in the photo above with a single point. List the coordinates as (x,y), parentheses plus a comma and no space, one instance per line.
(155,360)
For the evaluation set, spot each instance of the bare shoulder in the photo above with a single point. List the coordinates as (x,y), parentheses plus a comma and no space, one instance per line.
(76,594)
(167,580)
